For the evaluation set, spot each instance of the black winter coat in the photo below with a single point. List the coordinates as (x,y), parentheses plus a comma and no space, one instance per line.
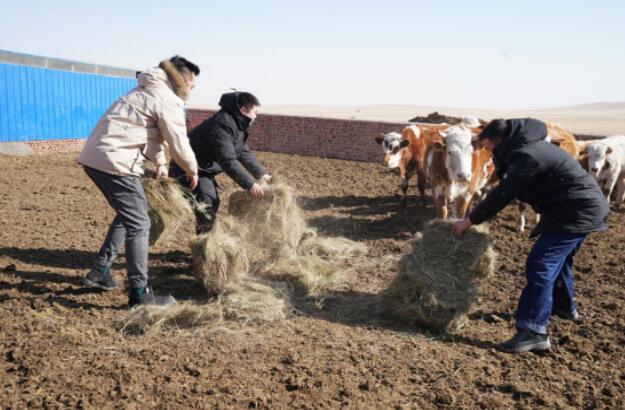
(534,171)
(220,144)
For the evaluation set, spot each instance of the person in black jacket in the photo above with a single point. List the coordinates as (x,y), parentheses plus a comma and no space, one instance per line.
(571,205)
(220,145)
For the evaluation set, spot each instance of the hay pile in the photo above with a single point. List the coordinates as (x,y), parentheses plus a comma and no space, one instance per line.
(218,257)
(249,302)
(247,260)
(437,282)
(272,237)
(168,208)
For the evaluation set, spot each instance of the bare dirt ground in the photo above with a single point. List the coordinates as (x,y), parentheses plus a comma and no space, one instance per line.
(59,347)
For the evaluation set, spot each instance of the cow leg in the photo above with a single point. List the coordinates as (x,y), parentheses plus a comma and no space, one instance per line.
(620,192)
(421,183)
(441,206)
(521,219)
(461,205)
(440,201)
(610,187)
(404,191)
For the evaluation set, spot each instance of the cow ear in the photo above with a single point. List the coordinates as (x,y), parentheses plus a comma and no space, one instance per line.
(609,150)
(379,139)
(403,143)
(442,134)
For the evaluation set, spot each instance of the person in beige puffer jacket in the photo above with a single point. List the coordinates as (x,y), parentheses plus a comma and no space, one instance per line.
(148,123)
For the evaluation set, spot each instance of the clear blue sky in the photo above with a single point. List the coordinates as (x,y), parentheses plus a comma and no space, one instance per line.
(478,54)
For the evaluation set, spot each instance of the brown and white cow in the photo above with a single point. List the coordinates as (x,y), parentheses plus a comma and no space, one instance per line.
(406,152)
(456,171)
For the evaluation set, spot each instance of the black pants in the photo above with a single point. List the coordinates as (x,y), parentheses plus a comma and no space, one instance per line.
(205,194)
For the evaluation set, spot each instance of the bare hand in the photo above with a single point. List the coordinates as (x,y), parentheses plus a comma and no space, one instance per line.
(460,226)
(193,179)
(256,191)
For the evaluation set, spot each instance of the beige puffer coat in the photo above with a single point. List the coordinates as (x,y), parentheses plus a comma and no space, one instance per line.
(147,123)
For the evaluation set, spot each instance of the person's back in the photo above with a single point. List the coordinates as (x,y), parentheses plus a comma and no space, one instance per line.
(553,183)
(137,125)
(566,196)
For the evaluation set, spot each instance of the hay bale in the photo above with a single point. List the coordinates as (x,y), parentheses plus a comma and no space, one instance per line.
(168,208)
(437,282)
(252,302)
(275,221)
(218,257)
(280,246)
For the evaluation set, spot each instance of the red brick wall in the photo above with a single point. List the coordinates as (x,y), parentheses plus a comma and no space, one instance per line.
(321,137)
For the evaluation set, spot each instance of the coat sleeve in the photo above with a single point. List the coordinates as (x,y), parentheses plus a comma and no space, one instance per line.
(522,173)
(250,162)
(220,139)
(172,126)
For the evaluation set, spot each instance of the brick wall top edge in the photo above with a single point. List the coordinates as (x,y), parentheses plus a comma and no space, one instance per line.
(312,118)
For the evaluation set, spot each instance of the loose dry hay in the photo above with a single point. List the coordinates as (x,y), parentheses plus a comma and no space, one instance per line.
(218,258)
(249,302)
(273,233)
(168,208)
(245,260)
(437,282)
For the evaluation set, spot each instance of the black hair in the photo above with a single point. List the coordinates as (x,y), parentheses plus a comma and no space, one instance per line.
(181,63)
(247,100)
(495,129)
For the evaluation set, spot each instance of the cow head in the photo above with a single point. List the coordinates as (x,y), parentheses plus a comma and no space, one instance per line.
(391,143)
(598,158)
(459,152)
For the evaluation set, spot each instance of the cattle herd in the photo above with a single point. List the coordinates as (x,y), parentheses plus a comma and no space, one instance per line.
(449,159)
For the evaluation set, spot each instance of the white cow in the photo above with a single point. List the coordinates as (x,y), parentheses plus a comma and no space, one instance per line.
(606,163)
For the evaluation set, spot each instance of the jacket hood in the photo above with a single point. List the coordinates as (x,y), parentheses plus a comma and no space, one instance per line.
(523,131)
(520,133)
(229,102)
(164,75)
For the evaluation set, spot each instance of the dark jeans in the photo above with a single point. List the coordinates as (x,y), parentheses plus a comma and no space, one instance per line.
(205,194)
(549,280)
(131,225)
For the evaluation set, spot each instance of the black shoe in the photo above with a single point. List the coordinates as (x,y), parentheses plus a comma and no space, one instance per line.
(572,316)
(525,340)
(96,279)
(149,298)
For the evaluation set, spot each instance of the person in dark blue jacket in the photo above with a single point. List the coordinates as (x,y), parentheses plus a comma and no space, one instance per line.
(220,145)
(571,205)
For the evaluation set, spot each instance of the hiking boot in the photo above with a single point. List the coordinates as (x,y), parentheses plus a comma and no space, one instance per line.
(525,340)
(572,316)
(149,298)
(98,279)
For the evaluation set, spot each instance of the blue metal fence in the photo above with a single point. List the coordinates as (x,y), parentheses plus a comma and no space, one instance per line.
(44,104)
